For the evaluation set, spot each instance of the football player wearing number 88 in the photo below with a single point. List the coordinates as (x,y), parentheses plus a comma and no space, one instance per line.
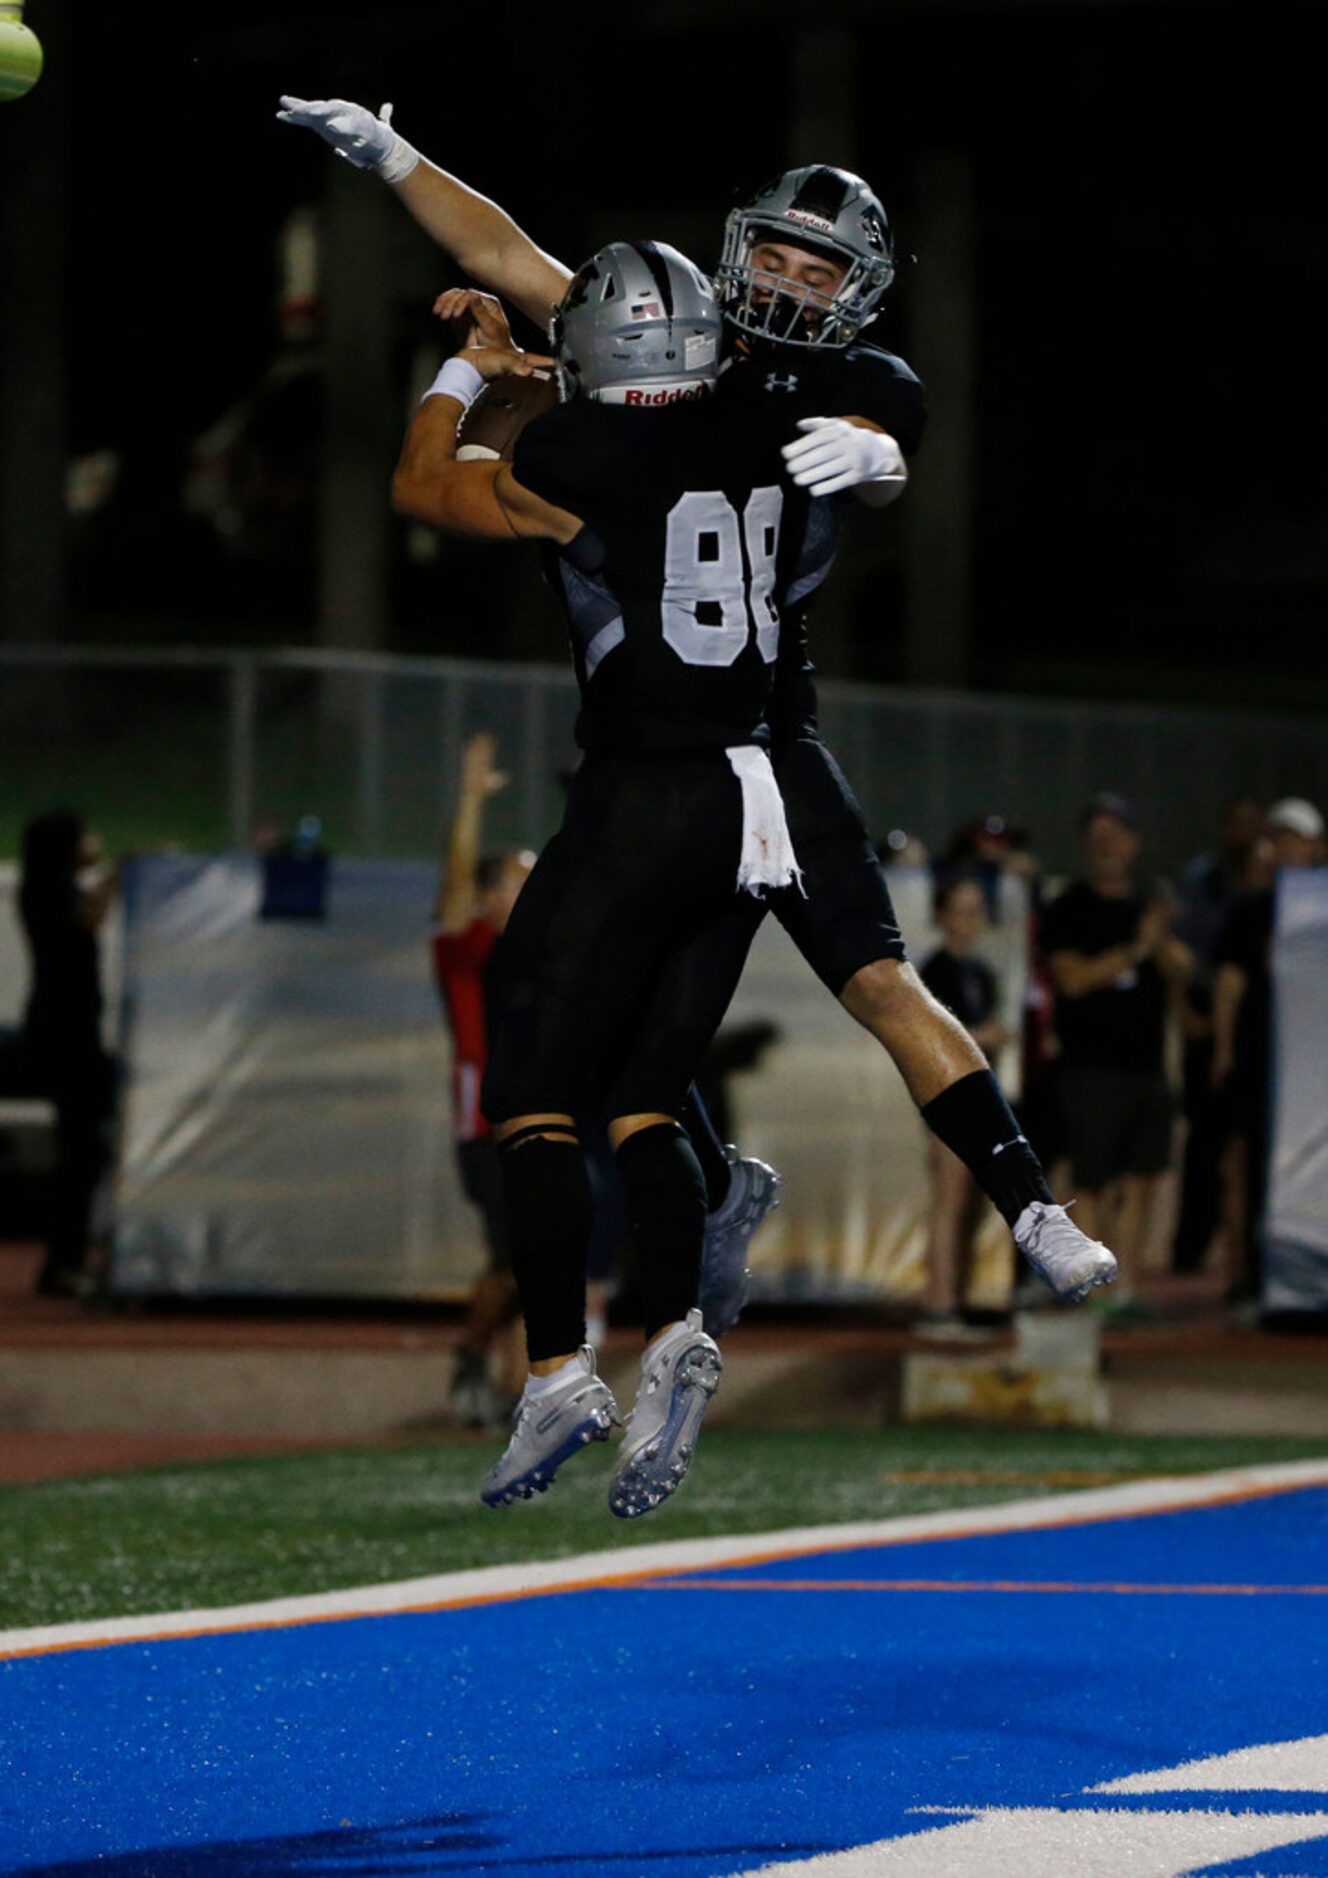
(672,531)
(806,262)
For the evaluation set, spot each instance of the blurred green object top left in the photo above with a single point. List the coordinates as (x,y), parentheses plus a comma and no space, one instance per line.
(20,53)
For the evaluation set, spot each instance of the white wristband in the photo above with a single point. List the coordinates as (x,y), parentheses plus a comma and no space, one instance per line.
(400,160)
(457,380)
(400,157)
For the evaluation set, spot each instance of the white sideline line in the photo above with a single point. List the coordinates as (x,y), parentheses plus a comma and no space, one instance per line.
(496,1582)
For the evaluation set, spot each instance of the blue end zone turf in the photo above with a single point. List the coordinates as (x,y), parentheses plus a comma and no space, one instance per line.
(692,1726)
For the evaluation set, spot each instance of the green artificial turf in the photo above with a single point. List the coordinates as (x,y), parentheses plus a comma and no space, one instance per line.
(234,1531)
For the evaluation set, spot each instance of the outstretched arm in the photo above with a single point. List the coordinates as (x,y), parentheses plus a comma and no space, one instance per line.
(479,236)
(458,887)
(484,241)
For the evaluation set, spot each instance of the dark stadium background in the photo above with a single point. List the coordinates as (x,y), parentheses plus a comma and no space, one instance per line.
(1136,182)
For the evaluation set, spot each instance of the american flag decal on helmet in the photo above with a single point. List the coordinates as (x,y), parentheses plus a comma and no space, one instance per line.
(647,310)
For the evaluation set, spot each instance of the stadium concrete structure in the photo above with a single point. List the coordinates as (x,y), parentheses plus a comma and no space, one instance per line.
(81,1391)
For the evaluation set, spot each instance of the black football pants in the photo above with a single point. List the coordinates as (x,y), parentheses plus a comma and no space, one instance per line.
(625,946)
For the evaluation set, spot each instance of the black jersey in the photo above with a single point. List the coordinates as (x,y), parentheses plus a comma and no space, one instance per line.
(672,588)
(809,381)
(831,381)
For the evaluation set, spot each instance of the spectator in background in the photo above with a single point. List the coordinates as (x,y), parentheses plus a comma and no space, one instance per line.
(987,851)
(966,985)
(476,894)
(1242,1028)
(1208,888)
(901,849)
(64,896)
(995,853)
(1114,962)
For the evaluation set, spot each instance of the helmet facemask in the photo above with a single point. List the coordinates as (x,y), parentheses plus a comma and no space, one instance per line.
(823,212)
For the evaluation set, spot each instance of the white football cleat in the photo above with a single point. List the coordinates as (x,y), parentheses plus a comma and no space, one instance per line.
(1066,1259)
(680,1372)
(549,1428)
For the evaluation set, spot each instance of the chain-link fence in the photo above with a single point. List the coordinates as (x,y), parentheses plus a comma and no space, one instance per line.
(206,748)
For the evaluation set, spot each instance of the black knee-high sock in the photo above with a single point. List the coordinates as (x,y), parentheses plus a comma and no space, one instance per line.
(975,1121)
(666,1208)
(708,1148)
(546,1194)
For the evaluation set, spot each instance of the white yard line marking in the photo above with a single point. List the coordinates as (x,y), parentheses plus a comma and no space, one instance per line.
(1092,1842)
(1040,1842)
(1276,1767)
(495,1583)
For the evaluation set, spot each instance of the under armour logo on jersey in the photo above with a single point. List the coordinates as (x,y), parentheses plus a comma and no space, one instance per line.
(781,381)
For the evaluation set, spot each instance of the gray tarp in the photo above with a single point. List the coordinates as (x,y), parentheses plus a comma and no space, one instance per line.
(1296,1219)
(287,1121)
(288,1117)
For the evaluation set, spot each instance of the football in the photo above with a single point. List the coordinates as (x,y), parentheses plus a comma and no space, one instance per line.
(500,414)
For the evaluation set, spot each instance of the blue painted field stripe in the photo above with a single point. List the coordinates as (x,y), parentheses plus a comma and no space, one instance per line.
(698,1737)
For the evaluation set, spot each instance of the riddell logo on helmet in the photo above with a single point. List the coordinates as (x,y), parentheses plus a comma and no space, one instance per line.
(813,221)
(667,394)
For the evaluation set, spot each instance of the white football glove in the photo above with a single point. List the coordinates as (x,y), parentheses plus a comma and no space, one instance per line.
(835,454)
(369,142)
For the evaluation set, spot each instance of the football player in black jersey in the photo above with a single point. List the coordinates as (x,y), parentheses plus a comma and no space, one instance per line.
(806,262)
(672,530)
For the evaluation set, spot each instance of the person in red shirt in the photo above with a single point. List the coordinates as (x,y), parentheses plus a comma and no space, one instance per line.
(476,894)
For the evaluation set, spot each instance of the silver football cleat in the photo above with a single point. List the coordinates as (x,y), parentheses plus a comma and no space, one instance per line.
(549,1429)
(725,1280)
(1065,1258)
(680,1372)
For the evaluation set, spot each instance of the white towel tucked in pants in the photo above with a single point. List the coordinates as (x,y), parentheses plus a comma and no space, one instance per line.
(767,859)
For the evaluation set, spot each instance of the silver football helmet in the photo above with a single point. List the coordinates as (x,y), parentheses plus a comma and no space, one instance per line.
(639,324)
(831,212)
